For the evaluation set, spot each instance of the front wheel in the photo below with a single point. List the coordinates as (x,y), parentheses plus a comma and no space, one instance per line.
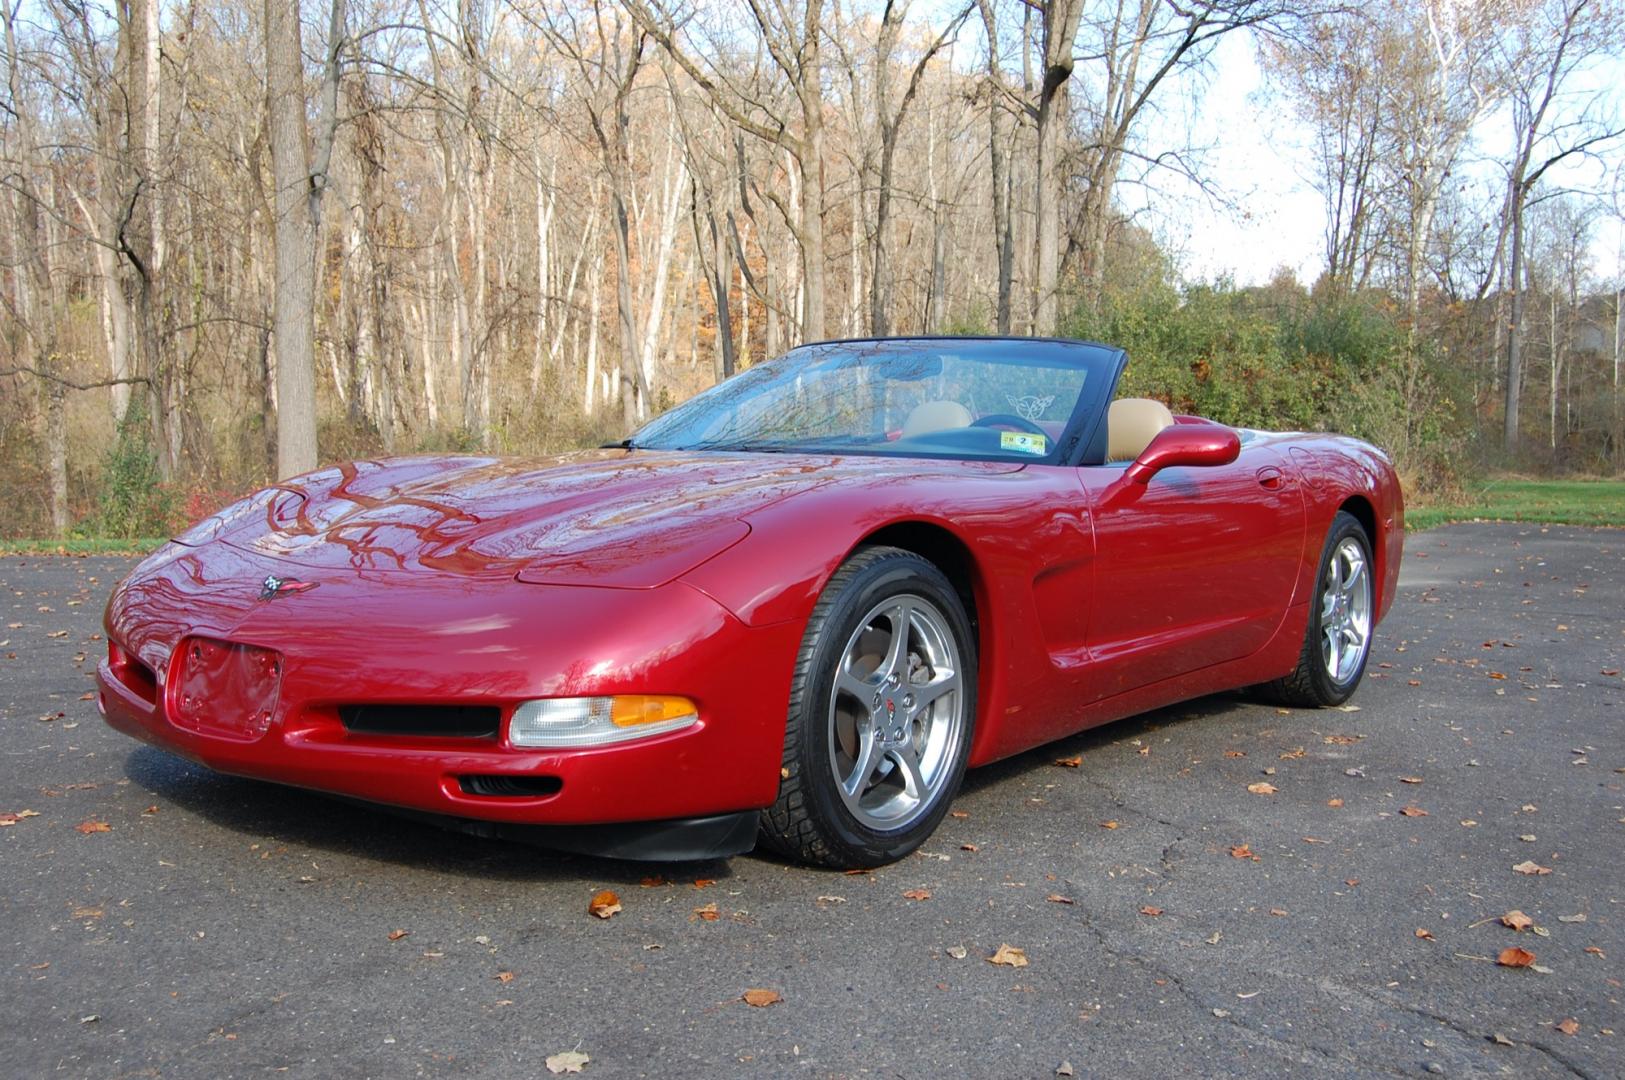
(882,704)
(1341,618)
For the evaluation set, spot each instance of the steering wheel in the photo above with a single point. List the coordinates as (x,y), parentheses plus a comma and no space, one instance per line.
(1005,419)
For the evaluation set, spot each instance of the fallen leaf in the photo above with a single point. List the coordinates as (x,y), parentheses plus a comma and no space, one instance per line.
(1571,1026)
(960,814)
(969,847)
(1424,934)
(1057,898)
(704,882)
(1263,787)
(917,894)
(396,935)
(1335,804)
(1008,956)
(1514,957)
(707,912)
(1497,674)
(958,952)
(1069,762)
(571,1061)
(1594,951)
(1517,920)
(1410,779)
(1572,918)
(87,912)
(503,977)
(1343,740)
(1294,754)
(1314,840)
(1610,672)
(654,882)
(1235,753)
(1530,867)
(88,827)
(1501,1040)
(1278,911)
(1242,851)
(604,904)
(1151,911)
(761,999)
(7,819)
(1413,811)
(1109,824)
(1064,1069)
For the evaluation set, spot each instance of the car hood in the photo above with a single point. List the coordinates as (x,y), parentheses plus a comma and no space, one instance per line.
(626,519)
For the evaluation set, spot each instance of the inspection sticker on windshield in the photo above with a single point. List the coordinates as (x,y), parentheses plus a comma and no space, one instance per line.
(1024,442)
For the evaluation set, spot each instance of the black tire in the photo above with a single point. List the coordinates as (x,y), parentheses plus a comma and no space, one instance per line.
(812,820)
(1311,684)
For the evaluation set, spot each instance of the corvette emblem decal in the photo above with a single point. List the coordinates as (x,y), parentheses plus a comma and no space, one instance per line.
(273,587)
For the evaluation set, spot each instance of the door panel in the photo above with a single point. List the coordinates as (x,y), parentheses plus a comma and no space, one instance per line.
(1193,569)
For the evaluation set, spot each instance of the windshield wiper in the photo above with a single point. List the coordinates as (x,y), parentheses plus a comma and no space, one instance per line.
(624,444)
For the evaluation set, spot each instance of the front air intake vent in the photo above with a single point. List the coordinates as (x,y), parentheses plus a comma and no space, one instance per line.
(511,787)
(435,721)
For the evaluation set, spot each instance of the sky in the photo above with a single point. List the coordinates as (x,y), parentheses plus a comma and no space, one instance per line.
(1258,156)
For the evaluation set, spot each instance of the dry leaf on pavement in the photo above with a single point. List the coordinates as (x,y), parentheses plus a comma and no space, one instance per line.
(707,912)
(88,827)
(1528,866)
(604,904)
(1514,957)
(1151,911)
(396,935)
(1413,811)
(917,894)
(761,999)
(1517,920)
(1070,762)
(1571,1026)
(1263,787)
(571,1061)
(1008,956)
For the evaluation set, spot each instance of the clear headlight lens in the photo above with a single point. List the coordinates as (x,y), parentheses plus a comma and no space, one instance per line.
(597,721)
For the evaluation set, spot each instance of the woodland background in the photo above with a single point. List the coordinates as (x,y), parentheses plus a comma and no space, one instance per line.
(237,239)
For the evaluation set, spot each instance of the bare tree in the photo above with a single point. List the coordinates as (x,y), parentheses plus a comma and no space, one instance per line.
(1538,60)
(300,183)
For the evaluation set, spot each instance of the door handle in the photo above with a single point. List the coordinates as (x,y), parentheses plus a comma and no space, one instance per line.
(1270,477)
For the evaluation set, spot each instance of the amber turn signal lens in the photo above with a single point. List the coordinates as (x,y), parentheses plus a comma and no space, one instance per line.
(629,710)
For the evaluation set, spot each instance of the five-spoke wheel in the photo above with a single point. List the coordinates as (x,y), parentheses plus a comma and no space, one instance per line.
(1338,640)
(881,711)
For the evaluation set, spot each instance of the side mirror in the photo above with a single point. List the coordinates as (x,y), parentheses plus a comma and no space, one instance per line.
(1184,445)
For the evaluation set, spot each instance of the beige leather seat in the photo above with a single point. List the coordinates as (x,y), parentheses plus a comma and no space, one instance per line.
(1131,424)
(929,416)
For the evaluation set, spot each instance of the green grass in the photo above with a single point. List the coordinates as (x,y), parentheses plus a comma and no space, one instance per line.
(79,546)
(1558,502)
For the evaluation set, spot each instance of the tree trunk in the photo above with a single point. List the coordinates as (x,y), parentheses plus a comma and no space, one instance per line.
(1060,30)
(295,296)
(1514,384)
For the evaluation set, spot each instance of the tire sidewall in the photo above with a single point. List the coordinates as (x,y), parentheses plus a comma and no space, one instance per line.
(1329,690)
(888,577)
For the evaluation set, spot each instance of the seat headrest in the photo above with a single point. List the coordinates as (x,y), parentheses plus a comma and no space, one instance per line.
(931,416)
(1131,424)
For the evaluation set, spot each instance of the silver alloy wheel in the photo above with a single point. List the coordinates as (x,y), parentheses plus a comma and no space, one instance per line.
(896,715)
(1345,611)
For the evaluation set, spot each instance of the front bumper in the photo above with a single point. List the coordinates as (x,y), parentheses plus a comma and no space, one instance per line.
(674,795)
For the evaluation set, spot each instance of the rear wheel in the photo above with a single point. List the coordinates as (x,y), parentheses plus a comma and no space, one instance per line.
(881,708)
(1341,617)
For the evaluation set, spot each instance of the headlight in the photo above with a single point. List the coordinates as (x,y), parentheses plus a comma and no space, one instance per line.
(597,721)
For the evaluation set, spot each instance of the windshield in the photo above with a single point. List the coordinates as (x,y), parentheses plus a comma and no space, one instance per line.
(992,399)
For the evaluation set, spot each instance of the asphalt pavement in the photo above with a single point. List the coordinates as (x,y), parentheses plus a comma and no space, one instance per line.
(1176,918)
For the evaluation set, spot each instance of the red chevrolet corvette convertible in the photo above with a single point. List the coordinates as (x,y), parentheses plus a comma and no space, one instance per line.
(793,609)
